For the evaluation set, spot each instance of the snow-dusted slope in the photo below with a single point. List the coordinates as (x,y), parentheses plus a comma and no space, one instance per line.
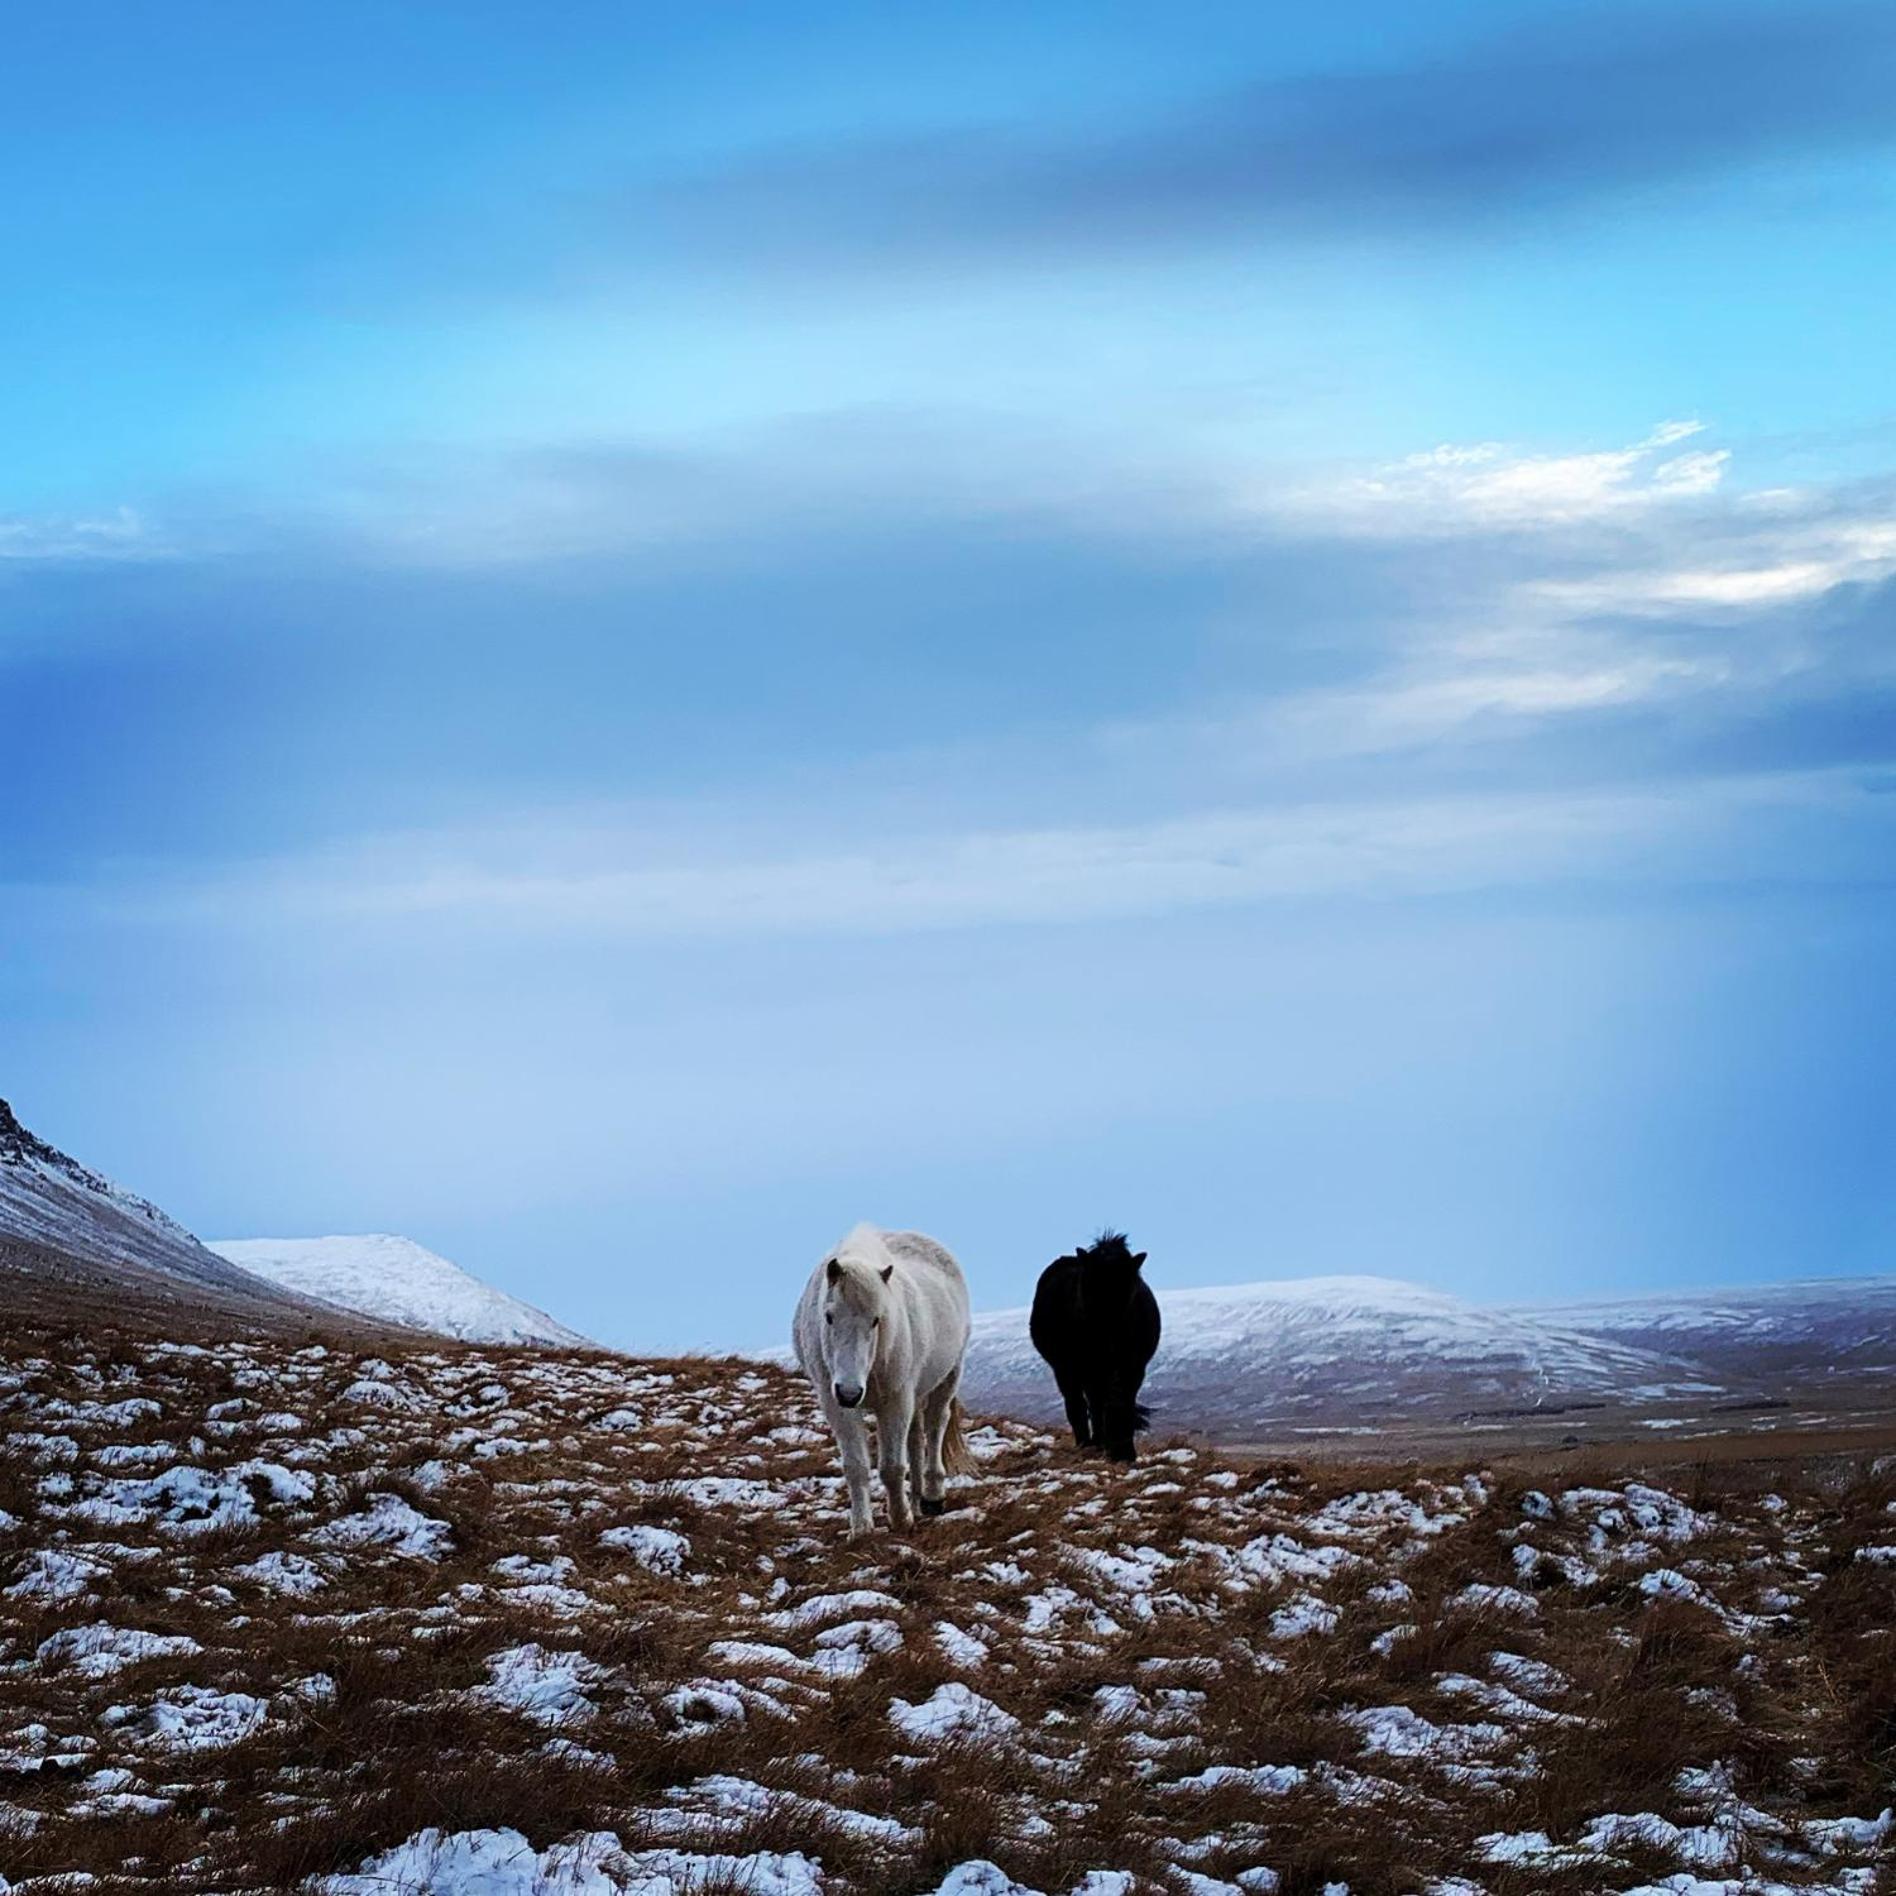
(1246,1356)
(65,1211)
(1824,1322)
(398,1281)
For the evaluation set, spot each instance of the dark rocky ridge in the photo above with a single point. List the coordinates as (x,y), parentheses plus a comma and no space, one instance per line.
(78,1247)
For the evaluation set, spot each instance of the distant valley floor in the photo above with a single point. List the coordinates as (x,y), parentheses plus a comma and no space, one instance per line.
(1855,1418)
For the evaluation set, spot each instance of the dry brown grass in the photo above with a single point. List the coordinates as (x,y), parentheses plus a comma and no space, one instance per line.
(1158,1640)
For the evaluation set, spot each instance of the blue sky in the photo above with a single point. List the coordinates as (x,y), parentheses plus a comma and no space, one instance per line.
(630,634)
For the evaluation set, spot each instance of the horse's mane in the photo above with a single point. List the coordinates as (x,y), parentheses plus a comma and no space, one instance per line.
(864,1241)
(1109,1247)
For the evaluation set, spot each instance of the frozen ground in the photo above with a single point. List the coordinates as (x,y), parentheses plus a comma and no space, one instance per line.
(503,1622)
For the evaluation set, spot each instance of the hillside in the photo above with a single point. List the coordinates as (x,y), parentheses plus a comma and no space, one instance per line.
(397,1281)
(51,1200)
(535,1623)
(1819,1324)
(71,1239)
(1245,1358)
(1256,1362)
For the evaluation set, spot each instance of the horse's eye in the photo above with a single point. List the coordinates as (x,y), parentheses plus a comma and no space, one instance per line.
(828,1317)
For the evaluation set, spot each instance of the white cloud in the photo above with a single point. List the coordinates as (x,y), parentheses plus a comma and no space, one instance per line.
(1574,520)
(1782,562)
(1552,623)
(1452,488)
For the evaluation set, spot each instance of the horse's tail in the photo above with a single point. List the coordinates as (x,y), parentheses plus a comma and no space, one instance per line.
(1141,1416)
(957,1458)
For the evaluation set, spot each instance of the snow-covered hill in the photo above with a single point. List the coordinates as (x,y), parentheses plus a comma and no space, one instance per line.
(398,1281)
(1245,1356)
(1846,1323)
(68,1222)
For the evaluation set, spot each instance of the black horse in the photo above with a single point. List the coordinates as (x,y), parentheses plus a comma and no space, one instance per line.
(1096,1322)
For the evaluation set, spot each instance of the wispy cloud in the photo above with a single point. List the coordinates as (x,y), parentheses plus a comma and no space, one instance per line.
(121,534)
(1451,488)
(1491,615)
(1587,103)
(1531,601)
(1784,560)
(597,880)
(1654,524)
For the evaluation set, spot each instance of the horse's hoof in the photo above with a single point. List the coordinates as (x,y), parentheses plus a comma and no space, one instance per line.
(933,1508)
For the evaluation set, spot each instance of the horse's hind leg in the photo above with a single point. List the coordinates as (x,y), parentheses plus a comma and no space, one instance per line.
(1079,1414)
(892,1438)
(918,1460)
(936,1410)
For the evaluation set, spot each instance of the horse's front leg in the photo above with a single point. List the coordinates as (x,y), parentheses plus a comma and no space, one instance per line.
(893,1421)
(852,1437)
(1115,1436)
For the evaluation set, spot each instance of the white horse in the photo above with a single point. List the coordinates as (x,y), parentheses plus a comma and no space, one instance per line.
(880,1330)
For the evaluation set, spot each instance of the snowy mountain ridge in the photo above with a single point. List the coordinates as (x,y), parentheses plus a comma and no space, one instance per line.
(51,1201)
(396,1280)
(27,1152)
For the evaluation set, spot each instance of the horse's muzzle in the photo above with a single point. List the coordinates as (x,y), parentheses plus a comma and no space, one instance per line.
(849,1397)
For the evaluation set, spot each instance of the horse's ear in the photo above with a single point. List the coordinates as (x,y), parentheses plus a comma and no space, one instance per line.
(888,1271)
(834,1270)
(1138,1258)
